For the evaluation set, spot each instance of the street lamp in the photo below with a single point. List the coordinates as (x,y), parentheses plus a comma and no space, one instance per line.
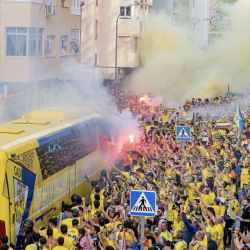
(36,60)
(117,81)
(81,5)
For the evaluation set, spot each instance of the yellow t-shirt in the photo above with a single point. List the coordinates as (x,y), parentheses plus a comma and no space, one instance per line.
(206,198)
(208,227)
(177,226)
(67,241)
(166,235)
(110,243)
(234,207)
(73,234)
(191,189)
(43,233)
(217,233)
(189,171)
(203,243)
(31,247)
(212,196)
(127,237)
(59,248)
(217,210)
(170,215)
(245,177)
(222,210)
(126,174)
(181,245)
(207,173)
(68,222)
(165,118)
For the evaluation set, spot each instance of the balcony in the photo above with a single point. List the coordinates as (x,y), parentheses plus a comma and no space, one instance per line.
(128,27)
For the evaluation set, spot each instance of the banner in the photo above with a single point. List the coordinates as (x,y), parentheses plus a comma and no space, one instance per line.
(165,109)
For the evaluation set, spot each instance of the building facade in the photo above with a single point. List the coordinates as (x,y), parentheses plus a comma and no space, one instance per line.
(59,45)
(98,35)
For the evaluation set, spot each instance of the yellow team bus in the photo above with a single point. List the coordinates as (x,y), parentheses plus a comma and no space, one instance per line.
(44,157)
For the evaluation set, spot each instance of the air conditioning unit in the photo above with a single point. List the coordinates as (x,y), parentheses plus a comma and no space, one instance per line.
(48,44)
(50,9)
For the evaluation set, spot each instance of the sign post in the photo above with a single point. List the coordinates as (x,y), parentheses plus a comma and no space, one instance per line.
(183,133)
(143,203)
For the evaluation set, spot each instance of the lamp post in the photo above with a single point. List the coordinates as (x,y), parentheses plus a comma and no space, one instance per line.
(80,45)
(36,58)
(117,81)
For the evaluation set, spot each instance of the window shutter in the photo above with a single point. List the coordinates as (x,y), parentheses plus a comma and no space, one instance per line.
(77,7)
(73,7)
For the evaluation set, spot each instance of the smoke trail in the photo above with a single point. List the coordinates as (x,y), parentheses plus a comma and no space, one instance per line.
(178,70)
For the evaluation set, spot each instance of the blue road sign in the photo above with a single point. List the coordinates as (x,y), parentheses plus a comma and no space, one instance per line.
(142,203)
(183,133)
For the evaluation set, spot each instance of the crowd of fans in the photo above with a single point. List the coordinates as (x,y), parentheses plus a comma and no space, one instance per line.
(203,196)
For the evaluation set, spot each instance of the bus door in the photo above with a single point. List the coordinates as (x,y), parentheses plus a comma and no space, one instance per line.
(21,184)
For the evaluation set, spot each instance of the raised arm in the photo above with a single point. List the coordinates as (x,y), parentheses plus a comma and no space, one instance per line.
(107,216)
(88,180)
(198,191)
(90,216)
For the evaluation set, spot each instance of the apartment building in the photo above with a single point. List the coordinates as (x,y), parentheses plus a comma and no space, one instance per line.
(59,45)
(98,35)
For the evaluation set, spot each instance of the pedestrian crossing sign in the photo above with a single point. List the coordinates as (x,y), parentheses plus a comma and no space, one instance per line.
(183,133)
(142,203)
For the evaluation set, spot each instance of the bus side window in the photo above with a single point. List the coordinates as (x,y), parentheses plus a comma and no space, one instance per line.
(65,151)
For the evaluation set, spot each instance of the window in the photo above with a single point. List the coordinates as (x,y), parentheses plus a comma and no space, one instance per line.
(74,43)
(75,7)
(49,45)
(67,150)
(32,42)
(64,45)
(22,42)
(125,12)
(64,3)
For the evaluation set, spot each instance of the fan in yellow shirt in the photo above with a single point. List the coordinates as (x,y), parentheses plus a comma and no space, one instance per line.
(164,232)
(52,224)
(245,177)
(35,245)
(215,206)
(73,232)
(67,240)
(191,187)
(178,224)
(165,116)
(217,231)
(60,244)
(201,238)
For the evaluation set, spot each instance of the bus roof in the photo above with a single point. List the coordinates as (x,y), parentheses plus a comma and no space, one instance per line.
(40,123)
